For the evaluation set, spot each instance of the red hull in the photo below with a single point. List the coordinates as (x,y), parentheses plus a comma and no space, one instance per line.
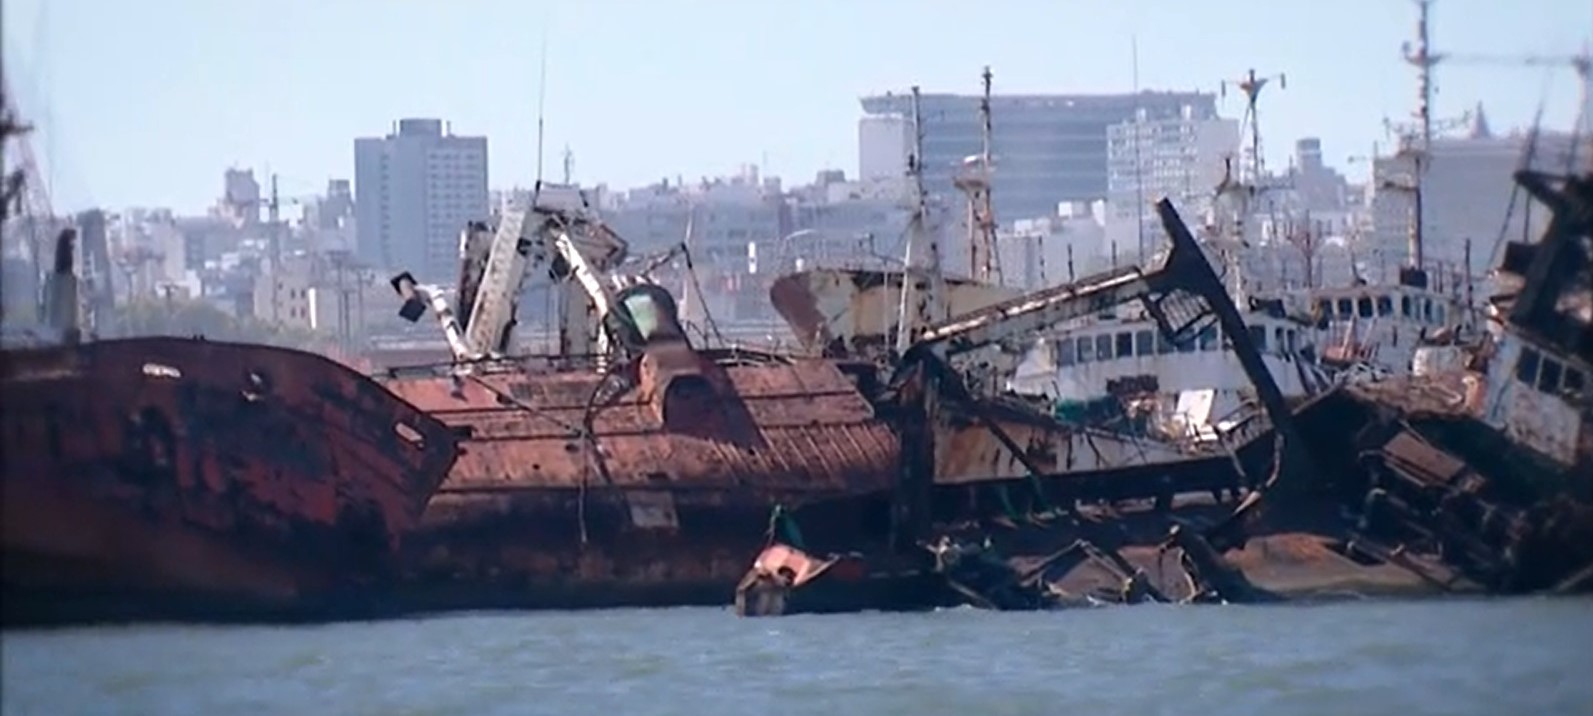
(660,503)
(211,470)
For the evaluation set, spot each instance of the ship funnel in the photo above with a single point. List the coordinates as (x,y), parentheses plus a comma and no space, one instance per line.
(61,302)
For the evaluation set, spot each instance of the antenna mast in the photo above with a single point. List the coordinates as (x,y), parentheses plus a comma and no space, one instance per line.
(274,217)
(1424,59)
(1251,86)
(983,261)
(542,100)
(1139,168)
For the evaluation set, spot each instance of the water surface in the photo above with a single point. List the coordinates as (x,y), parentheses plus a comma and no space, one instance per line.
(1498,657)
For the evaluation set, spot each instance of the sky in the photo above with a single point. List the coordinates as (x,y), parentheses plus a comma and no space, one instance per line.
(146,103)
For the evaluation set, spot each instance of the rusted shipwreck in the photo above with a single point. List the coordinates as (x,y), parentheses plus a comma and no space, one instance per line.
(178,478)
(1424,484)
(632,468)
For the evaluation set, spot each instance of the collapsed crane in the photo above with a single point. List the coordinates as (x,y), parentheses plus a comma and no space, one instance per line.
(558,236)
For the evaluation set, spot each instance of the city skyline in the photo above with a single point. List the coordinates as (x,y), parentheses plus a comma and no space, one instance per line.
(663,92)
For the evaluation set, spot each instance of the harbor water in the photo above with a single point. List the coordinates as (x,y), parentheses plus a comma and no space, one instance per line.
(1518,656)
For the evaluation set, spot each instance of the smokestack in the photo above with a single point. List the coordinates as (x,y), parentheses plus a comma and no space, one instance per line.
(61,304)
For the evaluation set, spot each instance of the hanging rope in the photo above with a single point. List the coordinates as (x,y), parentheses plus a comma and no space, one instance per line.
(702,299)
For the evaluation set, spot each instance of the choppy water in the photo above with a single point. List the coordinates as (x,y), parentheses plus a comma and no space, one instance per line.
(1470,657)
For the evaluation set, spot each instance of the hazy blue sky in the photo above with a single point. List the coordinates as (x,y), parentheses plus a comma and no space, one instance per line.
(146,102)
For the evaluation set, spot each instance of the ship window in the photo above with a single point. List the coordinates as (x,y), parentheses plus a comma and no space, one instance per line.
(1527,366)
(1427,310)
(1144,343)
(409,434)
(1208,338)
(1549,377)
(1346,307)
(1404,306)
(1163,345)
(1365,306)
(1277,340)
(1085,354)
(1385,306)
(1125,345)
(1258,336)
(1441,313)
(1103,346)
(1065,352)
(1574,382)
(159,370)
(1324,308)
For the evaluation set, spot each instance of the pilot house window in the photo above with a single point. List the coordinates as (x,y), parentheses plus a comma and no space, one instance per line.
(1549,377)
(1527,366)
(1125,344)
(1258,336)
(1144,343)
(1064,352)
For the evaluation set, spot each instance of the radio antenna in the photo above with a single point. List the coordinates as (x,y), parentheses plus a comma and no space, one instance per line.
(542,100)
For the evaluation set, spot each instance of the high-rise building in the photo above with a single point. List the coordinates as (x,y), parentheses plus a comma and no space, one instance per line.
(883,144)
(1047,148)
(414,191)
(1468,193)
(1181,157)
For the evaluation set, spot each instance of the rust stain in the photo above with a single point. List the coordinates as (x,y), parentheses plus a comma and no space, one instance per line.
(287,457)
(798,426)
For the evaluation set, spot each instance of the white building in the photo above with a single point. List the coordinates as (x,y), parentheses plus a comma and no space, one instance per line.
(413,191)
(1181,157)
(1043,252)
(1466,195)
(883,144)
(282,293)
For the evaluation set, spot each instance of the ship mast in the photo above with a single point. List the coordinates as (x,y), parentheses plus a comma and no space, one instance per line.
(1248,185)
(1251,85)
(983,261)
(1423,58)
(929,307)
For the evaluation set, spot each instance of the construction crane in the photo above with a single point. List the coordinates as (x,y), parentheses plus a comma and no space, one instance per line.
(273,203)
(1579,63)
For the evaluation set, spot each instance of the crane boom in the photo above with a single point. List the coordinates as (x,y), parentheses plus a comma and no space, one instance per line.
(494,262)
(486,330)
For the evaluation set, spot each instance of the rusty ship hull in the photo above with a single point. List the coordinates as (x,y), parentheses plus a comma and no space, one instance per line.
(174,478)
(646,486)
